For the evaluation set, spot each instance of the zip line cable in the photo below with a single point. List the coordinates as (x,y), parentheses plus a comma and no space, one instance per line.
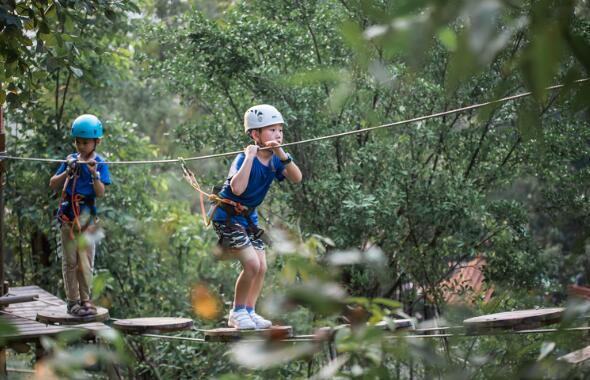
(336,135)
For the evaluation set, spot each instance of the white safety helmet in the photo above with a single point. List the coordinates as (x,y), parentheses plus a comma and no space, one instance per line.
(261,116)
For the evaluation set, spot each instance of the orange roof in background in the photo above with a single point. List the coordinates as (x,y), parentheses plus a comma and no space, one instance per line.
(466,284)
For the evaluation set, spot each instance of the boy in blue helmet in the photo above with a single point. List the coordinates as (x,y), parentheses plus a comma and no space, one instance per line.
(81,184)
(235,219)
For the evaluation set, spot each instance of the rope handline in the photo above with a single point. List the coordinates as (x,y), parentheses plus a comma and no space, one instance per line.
(217,201)
(189,176)
(336,135)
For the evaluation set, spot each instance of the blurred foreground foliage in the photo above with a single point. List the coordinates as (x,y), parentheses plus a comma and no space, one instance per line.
(381,219)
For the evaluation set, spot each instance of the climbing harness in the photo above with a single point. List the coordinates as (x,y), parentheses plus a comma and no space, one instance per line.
(74,202)
(231,208)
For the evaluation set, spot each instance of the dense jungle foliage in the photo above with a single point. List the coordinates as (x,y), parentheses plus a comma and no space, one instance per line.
(381,219)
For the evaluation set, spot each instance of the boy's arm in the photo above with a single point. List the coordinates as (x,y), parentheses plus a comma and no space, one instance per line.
(239,181)
(292,172)
(96,182)
(58,180)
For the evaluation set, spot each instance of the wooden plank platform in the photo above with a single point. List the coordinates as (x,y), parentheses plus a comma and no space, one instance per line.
(153,325)
(231,334)
(23,315)
(521,319)
(577,357)
(59,315)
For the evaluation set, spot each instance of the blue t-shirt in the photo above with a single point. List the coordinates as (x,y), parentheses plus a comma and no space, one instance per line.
(261,177)
(84,182)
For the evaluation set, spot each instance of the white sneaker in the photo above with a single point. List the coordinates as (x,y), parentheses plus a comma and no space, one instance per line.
(260,322)
(241,320)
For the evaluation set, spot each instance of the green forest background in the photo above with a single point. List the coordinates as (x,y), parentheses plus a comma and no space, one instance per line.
(381,218)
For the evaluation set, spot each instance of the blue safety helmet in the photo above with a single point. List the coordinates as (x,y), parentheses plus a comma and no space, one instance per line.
(87,126)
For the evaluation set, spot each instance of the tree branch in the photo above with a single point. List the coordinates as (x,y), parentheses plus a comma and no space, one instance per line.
(63,99)
(315,42)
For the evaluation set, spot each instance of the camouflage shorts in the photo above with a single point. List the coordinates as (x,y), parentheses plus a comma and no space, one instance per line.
(235,236)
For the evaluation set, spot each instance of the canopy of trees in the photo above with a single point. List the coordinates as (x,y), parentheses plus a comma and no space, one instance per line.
(381,219)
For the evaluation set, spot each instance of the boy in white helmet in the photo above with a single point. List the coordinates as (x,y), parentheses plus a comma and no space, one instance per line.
(236,221)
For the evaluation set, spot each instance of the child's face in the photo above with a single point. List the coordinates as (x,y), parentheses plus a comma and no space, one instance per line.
(86,146)
(271,133)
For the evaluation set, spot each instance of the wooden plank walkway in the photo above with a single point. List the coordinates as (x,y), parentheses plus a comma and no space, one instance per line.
(516,320)
(577,357)
(23,315)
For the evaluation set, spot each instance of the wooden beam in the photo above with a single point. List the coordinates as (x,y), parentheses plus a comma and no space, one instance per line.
(516,320)
(232,335)
(577,357)
(59,314)
(8,300)
(153,325)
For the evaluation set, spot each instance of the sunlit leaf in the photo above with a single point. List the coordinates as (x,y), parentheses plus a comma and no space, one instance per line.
(322,298)
(528,121)
(387,302)
(546,349)
(205,304)
(76,71)
(448,38)
(344,257)
(259,355)
(330,370)
(44,372)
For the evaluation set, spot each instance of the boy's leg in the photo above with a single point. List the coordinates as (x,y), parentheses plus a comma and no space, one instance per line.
(260,322)
(239,316)
(86,262)
(236,244)
(250,268)
(69,265)
(256,287)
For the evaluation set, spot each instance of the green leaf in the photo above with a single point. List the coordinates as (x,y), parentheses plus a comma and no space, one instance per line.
(529,124)
(13,99)
(44,28)
(448,38)
(580,100)
(543,57)
(6,329)
(581,49)
(76,71)
(49,39)
(51,13)
(462,65)
(387,302)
